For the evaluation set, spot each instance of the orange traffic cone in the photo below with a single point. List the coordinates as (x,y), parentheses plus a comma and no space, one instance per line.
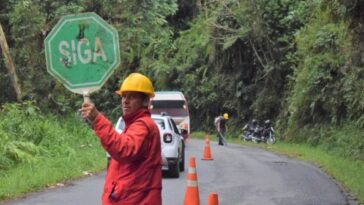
(192,196)
(213,199)
(207,150)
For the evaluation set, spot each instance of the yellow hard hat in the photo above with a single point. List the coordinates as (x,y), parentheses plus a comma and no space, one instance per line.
(226,116)
(138,83)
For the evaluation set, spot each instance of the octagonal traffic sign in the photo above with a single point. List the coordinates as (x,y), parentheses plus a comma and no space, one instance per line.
(82,51)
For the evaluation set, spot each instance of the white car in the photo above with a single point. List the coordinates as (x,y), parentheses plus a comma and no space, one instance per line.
(172,144)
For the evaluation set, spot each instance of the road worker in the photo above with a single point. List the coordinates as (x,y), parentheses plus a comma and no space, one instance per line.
(221,127)
(134,175)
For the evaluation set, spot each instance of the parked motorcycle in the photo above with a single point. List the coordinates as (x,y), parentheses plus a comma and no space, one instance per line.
(248,130)
(247,135)
(258,134)
(267,134)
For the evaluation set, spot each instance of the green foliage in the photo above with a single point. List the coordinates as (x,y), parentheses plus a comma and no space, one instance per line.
(22,152)
(233,58)
(317,96)
(26,28)
(143,31)
(345,140)
(26,135)
(298,63)
(353,95)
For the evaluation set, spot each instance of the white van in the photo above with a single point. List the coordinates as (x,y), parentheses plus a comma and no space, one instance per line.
(174,104)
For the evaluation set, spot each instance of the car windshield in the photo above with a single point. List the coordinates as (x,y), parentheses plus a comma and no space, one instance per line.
(160,122)
(172,107)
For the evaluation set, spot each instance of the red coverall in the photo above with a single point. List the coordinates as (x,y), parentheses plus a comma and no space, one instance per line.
(134,176)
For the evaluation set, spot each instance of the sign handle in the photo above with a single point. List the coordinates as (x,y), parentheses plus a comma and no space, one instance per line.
(86,98)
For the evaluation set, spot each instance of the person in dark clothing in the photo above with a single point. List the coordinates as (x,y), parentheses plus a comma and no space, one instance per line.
(221,127)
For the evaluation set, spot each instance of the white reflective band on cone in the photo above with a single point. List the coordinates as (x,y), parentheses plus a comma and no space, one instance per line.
(191,170)
(191,183)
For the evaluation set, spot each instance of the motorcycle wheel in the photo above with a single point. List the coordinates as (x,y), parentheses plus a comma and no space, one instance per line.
(271,140)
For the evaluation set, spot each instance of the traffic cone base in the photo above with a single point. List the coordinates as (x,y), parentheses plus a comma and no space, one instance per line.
(192,196)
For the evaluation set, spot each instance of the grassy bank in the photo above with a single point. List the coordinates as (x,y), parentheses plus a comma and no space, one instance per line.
(46,172)
(38,150)
(349,173)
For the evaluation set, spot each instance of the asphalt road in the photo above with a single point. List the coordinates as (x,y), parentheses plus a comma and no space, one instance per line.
(240,175)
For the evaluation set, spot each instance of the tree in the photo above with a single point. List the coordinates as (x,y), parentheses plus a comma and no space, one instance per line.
(9,64)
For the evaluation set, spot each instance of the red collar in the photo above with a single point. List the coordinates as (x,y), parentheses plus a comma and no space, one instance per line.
(132,117)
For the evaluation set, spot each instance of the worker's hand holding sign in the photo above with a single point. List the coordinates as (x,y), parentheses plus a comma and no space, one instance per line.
(89,111)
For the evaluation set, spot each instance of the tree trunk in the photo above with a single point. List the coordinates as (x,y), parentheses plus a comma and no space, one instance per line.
(9,64)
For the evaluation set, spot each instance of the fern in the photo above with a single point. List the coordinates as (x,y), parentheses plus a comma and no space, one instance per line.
(22,152)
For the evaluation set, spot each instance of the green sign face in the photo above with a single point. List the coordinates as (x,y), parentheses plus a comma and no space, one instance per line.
(82,51)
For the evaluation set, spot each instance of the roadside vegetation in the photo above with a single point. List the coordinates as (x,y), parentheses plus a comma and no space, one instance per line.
(38,151)
(348,173)
(298,63)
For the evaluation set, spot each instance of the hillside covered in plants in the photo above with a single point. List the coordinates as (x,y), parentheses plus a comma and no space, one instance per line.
(299,63)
